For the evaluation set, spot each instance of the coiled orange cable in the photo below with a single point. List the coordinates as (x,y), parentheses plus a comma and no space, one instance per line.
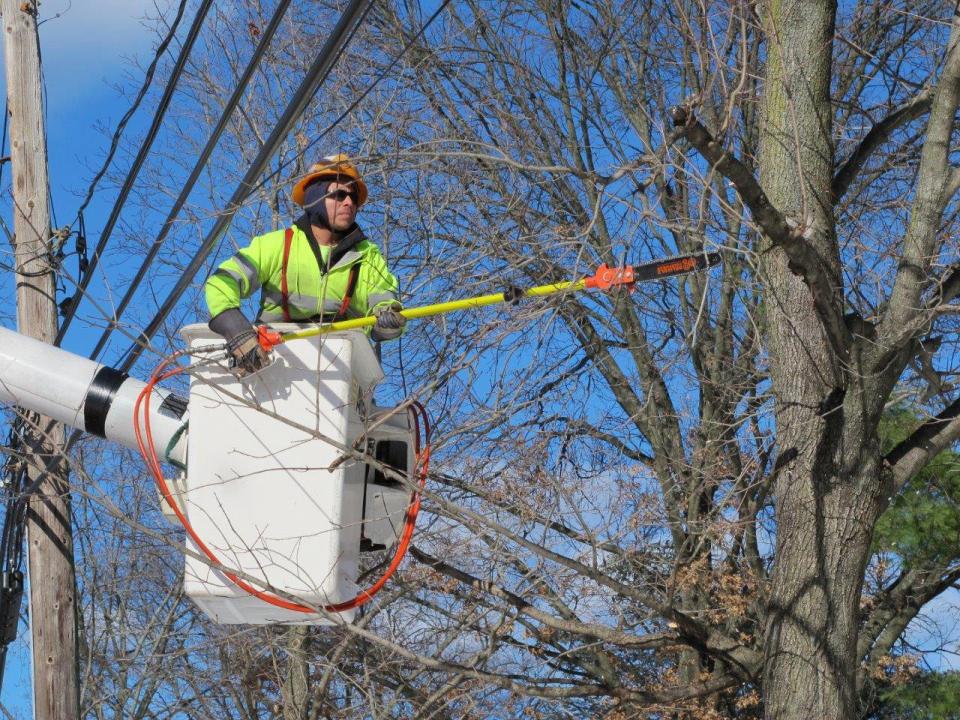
(418,415)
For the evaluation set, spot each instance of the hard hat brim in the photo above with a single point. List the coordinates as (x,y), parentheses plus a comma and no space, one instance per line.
(333,174)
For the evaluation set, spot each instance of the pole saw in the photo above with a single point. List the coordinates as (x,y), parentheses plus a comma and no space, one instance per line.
(604,278)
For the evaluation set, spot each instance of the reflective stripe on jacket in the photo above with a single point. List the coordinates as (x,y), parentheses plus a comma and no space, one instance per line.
(313,290)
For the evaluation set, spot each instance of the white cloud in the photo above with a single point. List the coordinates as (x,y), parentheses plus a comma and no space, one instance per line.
(86,47)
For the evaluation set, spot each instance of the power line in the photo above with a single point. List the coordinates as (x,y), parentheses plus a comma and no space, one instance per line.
(11,538)
(131,177)
(355,103)
(3,140)
(318,72)
(147,80)
(208,149)
(137,348)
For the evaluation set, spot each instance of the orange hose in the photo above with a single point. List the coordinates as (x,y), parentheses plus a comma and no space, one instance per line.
(147,450)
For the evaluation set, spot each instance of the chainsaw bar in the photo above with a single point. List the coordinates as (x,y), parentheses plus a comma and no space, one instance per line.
(679,265)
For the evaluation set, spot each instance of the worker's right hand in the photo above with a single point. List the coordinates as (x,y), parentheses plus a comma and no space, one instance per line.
(248,356)
(242,342)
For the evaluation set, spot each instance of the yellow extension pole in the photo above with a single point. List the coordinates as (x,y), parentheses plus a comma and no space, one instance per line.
(605,278)
(437,309)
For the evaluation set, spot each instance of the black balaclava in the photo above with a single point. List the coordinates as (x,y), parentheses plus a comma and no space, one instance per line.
(315,209)
(314,204)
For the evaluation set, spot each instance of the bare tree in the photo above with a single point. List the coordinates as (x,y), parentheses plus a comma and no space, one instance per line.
(651,504)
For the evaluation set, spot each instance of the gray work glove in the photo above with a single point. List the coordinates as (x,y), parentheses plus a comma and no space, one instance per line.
(248,356)
(242,344)
(390,322)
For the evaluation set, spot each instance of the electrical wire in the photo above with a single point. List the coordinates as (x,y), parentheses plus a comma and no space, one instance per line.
(147,80)
(208,149)
(11,538)
(134,171)
(242,193)
(358,100)
(3,141)
(318,72)
(45,104)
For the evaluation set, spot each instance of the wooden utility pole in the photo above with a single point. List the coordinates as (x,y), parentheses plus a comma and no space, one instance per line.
(49,532)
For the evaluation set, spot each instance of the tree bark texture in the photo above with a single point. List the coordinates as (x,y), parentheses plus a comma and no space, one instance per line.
(296,686)
(49,532)
(824,518)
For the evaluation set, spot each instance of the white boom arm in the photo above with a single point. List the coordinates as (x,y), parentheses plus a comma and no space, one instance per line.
(84,394)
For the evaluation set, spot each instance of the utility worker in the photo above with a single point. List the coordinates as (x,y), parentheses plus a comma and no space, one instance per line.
(321,269)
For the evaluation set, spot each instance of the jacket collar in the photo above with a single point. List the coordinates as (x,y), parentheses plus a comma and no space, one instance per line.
(342,250)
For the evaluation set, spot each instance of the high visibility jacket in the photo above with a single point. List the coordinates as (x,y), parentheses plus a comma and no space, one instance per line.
(315,288)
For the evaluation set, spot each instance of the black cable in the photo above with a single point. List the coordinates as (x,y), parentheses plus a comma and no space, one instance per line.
(308,87)
(355,103)
(3,143)
(11,539)
(137,164)
(14,469)
(44,104)
(147,80)
(208,149)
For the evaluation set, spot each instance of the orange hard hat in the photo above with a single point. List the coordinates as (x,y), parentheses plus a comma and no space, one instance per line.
(335,167)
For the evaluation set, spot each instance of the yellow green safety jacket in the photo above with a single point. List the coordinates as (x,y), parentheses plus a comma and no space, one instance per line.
(317,281)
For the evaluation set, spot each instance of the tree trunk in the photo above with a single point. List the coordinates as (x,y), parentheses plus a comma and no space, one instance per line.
(295,689)
(824,520)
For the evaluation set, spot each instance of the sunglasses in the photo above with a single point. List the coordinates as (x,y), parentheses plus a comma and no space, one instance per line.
(341,195)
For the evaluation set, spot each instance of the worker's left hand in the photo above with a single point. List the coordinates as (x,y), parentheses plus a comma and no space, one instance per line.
(390,322)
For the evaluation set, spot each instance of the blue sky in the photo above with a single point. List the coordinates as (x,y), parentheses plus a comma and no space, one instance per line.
(88,50)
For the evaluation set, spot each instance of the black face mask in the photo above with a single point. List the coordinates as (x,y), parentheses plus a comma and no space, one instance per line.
(314,204)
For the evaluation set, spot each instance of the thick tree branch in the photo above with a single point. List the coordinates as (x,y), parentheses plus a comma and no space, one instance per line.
(923,232)
(905,113)
(771,221)
(949,287)
(791,237)
(947,290)
(925,443)
(897,606)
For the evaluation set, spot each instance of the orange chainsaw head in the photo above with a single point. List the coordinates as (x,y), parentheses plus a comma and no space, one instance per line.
(607,277)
